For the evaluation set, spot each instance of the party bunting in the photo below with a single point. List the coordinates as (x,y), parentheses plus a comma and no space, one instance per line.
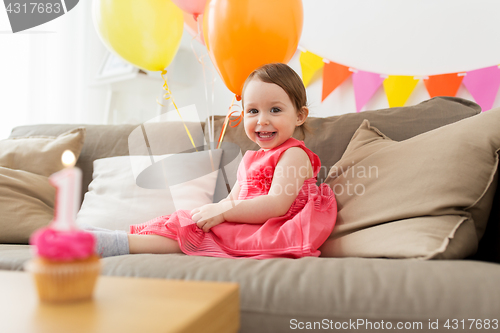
(483,85)
(333,76)
(310,64)
(365,85)
(443,85)
(398,89)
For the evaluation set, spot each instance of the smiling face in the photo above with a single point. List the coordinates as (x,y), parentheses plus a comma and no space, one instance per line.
(270,116)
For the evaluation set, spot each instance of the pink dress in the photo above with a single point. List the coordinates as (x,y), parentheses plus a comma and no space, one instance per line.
(298,233)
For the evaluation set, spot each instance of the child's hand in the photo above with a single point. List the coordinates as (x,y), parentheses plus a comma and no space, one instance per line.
(207,216)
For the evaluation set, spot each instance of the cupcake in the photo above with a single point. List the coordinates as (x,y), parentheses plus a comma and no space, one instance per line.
(65,267)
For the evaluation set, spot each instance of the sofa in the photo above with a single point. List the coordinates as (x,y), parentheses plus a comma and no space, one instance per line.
(457,290)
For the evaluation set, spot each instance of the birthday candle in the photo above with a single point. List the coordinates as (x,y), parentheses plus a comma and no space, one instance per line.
(68,185)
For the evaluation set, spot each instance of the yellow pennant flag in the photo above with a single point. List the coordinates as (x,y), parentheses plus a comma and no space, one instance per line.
(311,65)
(398,89)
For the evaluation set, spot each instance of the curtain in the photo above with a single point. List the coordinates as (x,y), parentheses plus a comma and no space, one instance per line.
(46,71)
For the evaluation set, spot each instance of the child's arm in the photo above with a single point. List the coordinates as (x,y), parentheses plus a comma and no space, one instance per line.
(293,168)
(233,195)
(213,212)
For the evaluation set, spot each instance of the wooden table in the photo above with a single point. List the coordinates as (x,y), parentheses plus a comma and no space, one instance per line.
(122,305)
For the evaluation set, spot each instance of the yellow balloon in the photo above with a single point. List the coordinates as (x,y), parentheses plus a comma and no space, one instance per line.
(146,33)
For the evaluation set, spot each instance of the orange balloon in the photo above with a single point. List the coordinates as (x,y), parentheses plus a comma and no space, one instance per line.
(242,35)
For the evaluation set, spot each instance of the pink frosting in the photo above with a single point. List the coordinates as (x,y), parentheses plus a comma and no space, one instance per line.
(63,245)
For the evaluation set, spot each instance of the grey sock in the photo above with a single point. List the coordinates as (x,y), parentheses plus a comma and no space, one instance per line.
(111,242)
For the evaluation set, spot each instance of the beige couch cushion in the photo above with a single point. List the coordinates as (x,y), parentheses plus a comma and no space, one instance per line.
(13,257)
(425,197)
(26,196)
(40,154)
(27,203)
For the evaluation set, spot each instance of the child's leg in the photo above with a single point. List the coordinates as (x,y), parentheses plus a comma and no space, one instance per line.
(152,244)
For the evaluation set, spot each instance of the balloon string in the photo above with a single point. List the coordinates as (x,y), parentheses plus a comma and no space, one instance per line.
(168,96)
(209,101)
(213,76)
(229,121)
(210,111)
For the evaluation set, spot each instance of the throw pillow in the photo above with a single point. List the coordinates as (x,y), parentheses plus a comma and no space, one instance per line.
(425,197)
(27,202)
(40,154)
(129,190)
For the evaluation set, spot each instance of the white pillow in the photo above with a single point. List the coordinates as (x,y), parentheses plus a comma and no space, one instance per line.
(129,190)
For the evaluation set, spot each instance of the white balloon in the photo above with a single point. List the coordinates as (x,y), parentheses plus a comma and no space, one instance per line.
(404,37)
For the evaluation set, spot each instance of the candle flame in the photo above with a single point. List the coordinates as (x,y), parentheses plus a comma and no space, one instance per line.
(68,158)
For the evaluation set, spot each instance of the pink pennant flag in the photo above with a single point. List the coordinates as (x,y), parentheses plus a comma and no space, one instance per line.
(365,85)
(483,85)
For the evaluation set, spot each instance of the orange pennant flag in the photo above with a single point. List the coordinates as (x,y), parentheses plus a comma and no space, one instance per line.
(443,85)
(333,76)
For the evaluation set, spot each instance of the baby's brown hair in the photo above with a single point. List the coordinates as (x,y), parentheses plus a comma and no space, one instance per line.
(288,80)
